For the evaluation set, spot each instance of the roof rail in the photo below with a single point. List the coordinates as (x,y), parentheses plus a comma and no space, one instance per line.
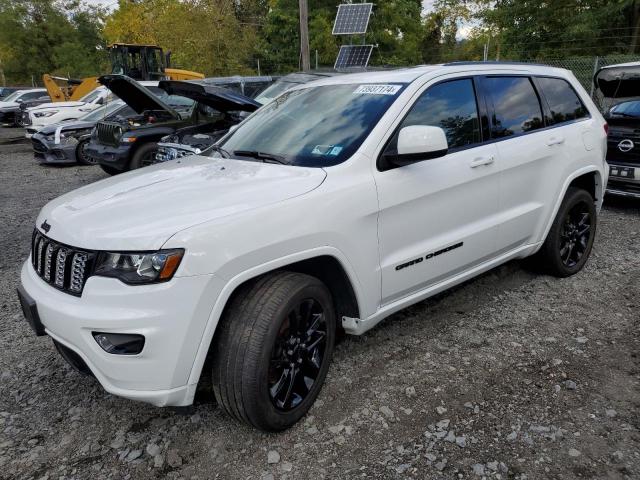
(492,62)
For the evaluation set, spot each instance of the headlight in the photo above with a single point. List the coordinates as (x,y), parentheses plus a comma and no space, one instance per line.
(139,268)
(45,114)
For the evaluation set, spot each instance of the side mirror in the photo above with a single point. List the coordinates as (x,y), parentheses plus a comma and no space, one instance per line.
(420,142)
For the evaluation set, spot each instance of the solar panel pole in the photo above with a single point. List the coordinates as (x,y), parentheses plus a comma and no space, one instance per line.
(304,35)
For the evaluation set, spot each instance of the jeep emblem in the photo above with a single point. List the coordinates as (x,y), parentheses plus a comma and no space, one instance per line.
(45,226)
(625,145)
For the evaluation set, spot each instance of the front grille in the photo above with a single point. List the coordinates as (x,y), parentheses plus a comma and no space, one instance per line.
(38,146)
(617,135)
(108,133)
(63,267)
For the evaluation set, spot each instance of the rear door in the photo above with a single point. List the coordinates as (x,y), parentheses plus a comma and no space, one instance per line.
(534,150)
(437,217)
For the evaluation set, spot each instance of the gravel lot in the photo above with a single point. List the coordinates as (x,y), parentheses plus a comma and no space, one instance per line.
(512,375)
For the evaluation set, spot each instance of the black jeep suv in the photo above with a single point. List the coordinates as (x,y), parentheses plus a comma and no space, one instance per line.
(130,142)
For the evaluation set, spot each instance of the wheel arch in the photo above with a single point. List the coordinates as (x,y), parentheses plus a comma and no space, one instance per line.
(588,178)
(326,263)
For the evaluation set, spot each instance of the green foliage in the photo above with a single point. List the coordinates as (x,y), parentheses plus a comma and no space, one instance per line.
(49,36)
(225,37)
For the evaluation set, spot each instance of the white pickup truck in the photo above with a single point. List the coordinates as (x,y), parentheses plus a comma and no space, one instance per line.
(337,204)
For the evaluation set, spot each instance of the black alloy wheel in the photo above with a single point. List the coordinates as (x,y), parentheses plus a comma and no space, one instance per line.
(81,154)
(575,234)
(272,349)
(298,355)
(570,239)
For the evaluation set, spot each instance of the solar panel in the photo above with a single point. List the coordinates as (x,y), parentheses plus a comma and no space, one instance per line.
(353,56)
(352,18)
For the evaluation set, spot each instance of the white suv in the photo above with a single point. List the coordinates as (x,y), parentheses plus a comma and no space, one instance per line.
(38,117)
(335,205)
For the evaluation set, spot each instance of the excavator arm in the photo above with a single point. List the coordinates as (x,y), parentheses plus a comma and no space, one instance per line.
(70,89)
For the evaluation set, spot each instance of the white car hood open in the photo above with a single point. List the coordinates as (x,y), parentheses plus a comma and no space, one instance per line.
(141,209)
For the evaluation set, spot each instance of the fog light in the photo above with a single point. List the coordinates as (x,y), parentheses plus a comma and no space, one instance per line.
(119,343)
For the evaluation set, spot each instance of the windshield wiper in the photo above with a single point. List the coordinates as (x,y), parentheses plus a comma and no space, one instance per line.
(220,150)
(265,157)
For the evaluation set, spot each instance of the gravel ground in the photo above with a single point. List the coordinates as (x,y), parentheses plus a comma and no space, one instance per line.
(512,375)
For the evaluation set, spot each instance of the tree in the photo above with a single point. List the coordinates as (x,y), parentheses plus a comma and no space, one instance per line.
(203,35)
(49,36)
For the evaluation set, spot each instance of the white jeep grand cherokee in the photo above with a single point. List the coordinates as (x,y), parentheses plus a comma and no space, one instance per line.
(339,203)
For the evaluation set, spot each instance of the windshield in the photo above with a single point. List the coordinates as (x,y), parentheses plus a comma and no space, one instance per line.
(273,91)
(102,112)
(313,127)
(13,96)
(626,109)
(91,96)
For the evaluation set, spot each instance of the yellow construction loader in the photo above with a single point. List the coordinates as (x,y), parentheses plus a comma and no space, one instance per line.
(140,62)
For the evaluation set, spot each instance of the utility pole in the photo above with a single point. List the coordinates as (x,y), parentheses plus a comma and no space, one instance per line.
(304,35)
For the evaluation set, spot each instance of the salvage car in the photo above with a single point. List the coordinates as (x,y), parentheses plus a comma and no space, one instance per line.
(193,140)
(130,143)
(10,105)
(225,111)
(37,117)
(338,204)
(66,142)
(619,86)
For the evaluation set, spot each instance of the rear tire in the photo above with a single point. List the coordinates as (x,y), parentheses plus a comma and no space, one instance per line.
(570,240)
(144,156)
(273,348)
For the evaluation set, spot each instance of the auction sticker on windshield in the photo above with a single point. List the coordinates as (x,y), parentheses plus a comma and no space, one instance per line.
(378,89)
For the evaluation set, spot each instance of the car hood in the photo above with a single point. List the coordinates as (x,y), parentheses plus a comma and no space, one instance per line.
(56,105)
(65,127)
(219,98)
(142,209)
(9,105)
(619,81)
(134,94)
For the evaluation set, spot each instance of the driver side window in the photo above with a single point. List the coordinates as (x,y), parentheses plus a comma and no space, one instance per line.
(449,105)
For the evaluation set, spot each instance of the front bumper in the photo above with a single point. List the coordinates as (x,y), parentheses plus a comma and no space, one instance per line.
(46,151)
(627,186)
(8,117)
(172,317)
(109,155)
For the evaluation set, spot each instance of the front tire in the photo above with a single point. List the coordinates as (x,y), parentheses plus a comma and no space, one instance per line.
(81,153)
(570,240)
(273,348)
(144,156)
(110,170)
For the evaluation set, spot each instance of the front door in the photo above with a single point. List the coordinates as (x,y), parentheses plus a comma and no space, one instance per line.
(438,217)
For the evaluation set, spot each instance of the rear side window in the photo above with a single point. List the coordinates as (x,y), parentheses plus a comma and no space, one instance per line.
(451,106)
(515,104)
(563,101)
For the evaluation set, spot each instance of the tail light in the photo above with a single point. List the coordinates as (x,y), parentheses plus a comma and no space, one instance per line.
(606,128)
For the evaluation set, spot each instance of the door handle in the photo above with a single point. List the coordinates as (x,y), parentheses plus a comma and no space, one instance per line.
(555,141)
(479,161)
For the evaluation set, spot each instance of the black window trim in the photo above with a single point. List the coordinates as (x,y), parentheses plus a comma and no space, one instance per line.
(480,109)
(485,109)
(541,100)
(588,116)
(492,109)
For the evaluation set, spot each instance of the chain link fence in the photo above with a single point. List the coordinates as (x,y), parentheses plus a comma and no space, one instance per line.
(584,68)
